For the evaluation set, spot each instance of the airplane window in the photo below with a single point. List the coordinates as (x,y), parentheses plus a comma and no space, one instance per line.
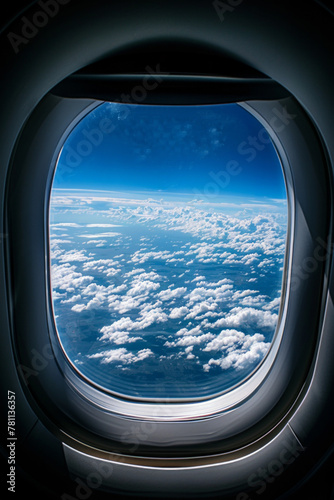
(167,231)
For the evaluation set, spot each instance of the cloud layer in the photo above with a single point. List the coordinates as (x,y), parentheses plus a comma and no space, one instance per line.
(176,280)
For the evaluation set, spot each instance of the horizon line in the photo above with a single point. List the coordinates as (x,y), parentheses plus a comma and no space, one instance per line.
(164,193)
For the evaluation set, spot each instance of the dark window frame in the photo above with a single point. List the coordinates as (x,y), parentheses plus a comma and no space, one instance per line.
(103,421)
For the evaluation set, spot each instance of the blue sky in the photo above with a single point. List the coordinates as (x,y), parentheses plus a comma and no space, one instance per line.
(216,150)
(167,238)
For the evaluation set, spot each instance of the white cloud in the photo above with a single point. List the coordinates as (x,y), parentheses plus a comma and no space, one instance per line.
(249,352)
(102,225)
(73,298)
(120,325)
(247,317)
(200,309)
(274,304)
(194,331)
(153,304)
(150,316)
(56,295)
(243,293)
(66,278)
(172,293)
(146,319)
(79,308)
(94,289)
(215,284)
(101,235)
(140,256)
(143,288)
(141,301)
(100,263)
(190,340)
(119,337)
(266,263)
(97,243)
(56,241)
(257,301)
(198,278)
(103,265)
(133,272)
(230,338)
(250,258)
(95,303)
(111,271)
(100,296)
(200,294)
(178,312)
(74,255)
(125,304)
(146,276)
(65,224)
(121,355)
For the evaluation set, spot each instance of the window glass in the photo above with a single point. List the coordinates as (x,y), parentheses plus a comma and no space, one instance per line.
(167,239)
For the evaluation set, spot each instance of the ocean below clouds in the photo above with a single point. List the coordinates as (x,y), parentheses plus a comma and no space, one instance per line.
(165,297)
